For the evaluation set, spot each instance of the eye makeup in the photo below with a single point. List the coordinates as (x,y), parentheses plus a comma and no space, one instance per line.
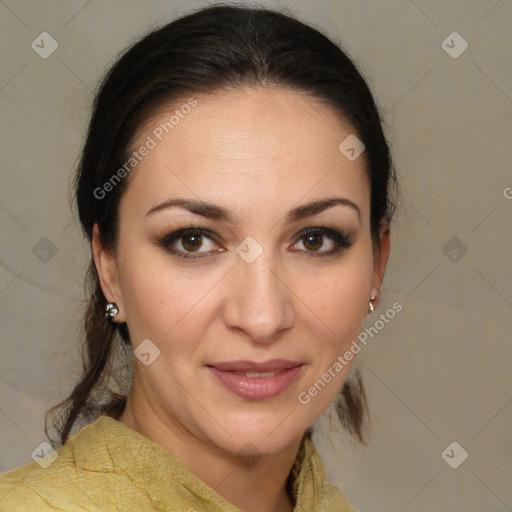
(186,242)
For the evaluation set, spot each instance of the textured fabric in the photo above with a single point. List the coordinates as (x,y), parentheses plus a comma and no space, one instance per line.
(109,467)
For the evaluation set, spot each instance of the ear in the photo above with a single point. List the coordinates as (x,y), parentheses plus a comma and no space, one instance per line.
(380,260)
(108,273)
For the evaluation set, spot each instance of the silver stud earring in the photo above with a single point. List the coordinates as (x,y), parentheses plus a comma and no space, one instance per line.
(111,310)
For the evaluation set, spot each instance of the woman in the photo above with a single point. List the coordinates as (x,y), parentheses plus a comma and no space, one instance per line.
(237,191)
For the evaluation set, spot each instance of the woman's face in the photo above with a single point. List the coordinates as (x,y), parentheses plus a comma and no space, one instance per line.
(251,309)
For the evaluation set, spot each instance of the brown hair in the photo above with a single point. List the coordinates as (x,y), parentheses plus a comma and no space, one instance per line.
(214,48)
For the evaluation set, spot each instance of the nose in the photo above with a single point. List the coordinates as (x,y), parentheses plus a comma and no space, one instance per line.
(260,303)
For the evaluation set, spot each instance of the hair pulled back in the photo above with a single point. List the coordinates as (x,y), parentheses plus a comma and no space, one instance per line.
(215,48)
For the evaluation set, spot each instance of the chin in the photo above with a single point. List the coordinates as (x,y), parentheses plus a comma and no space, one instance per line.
(252,435)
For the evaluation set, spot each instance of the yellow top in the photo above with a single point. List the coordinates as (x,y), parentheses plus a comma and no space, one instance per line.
(107,467)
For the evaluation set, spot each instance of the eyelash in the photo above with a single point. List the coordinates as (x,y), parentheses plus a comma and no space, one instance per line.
(341,240)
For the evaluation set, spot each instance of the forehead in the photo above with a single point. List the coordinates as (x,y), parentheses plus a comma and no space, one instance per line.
(248,143)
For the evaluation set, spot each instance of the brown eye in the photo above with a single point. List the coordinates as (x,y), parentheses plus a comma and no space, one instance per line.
(313,242)
(192,242)
(322,241)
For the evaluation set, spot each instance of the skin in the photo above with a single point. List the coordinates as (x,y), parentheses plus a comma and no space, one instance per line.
(257,153)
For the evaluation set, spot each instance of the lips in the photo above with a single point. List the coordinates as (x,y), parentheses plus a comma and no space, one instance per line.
(250,366)
(257,381)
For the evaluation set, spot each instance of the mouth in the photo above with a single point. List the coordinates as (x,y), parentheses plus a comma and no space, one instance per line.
(257,381)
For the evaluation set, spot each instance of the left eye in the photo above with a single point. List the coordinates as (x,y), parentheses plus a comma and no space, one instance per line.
(317,239)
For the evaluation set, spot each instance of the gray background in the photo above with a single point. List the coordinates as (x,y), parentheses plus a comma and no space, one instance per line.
(439,372)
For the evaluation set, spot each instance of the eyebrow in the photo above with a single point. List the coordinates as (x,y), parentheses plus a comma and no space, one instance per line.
(215,212)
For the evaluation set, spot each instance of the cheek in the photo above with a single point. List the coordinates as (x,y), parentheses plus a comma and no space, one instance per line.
(337,300)
(338,307)
(161,300)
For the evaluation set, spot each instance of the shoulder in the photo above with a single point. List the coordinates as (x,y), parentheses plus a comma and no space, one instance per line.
(53,482)
(31,487)
(336,501)
(105,467)
(311,488)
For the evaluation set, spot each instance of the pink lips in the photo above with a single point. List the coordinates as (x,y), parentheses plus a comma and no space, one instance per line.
(238,377)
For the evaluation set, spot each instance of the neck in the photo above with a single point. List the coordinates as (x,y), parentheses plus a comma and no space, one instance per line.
(252,486)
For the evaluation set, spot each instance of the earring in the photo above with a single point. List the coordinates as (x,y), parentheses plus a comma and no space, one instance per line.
(371,307)
(111,310)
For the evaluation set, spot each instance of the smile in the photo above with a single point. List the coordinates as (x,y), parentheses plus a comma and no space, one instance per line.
(257,381)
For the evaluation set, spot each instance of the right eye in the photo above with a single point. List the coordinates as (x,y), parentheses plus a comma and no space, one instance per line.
(187,243)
